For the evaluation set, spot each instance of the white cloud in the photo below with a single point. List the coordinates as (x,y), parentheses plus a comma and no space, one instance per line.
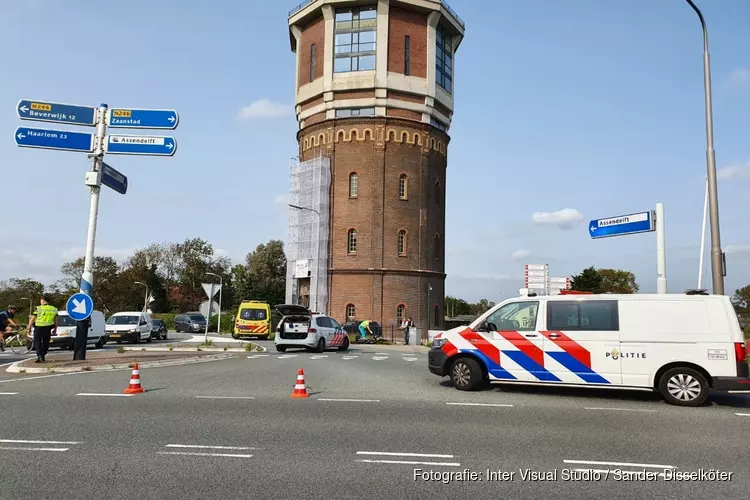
(482,277)
(737,171)
(520,254)
(738,249)
(264,109)
(739,78)
(564,219)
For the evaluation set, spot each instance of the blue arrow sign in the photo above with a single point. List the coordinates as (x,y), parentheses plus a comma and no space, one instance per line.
(79,306)
(43,111)
(54,139)
(623,224)
(142,118)
(141,145)
(114,179)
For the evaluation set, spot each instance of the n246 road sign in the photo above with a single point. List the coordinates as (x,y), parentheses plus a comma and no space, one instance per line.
(43,111)
(140,145)
(54,139)
(114,179)
(641,222)
(142,118)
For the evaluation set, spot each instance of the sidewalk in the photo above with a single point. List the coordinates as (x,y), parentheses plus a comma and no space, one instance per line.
(111,360)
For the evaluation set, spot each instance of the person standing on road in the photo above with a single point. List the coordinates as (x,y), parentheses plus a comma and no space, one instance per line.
(7,324)
(406,327)
(43,320)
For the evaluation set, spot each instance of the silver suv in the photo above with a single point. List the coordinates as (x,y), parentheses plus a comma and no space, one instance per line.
(301,328)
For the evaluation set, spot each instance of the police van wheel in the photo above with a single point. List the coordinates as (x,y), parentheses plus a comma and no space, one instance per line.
(466,374)
(683,386)
(280,348)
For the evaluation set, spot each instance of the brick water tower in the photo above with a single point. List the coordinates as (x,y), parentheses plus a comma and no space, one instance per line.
(374,102)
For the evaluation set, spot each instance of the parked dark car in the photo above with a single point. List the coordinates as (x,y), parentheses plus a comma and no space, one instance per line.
(159,330)
(352,327)
(192,322)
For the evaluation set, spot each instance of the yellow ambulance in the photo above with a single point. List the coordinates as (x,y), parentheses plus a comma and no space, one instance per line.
(253,320)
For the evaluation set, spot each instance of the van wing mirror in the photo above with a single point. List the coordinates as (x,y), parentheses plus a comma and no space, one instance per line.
(483,327)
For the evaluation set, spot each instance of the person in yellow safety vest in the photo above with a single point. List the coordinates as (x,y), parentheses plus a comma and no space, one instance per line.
(43,320)
(364,329)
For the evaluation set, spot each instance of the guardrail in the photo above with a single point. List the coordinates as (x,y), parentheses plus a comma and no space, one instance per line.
(453,13)
(300,7)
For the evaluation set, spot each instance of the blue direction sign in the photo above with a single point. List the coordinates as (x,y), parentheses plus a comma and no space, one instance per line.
(624,224)
(54,139)
(140,145)
(114,179)
(79,306)
(43,111)
(142,118)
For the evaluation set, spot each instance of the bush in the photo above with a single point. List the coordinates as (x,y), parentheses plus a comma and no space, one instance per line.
(227,322)
(167,318)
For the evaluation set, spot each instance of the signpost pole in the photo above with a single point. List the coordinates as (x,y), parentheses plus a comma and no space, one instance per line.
(661,252)
(208,313)
(87,280)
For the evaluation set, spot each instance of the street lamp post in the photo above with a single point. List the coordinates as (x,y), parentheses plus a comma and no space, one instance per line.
(221,287)
(317,251)
(145,299)
(717,261)
(31,307)
(429,291)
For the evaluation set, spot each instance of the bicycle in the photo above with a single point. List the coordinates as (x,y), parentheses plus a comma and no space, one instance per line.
(17,341)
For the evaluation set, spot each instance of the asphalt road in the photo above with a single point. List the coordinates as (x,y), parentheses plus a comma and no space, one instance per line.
(229,429)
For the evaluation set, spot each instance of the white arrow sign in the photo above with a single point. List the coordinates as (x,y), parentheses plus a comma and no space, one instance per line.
(24,109)
(21,136)
(171,118)
(207,288)
(80,306)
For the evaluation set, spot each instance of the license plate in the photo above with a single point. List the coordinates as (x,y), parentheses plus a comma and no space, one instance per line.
(115,335)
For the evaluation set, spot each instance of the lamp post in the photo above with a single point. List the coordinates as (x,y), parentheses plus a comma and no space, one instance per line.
(145,300)
(429,291)
(317,251)
(31,307)
(717,261)
(221,287)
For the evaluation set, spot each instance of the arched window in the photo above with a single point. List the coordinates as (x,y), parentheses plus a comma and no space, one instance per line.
(350,312)
(353,185)
(438,247)
(400,310)
(438,193)
(351,241)
(401,243)
(403,186)
(436,319)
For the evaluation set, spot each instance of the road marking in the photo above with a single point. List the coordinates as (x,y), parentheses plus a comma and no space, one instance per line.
(224,397)
(409,359)
(102,394)
(287,356)
(379,358)
(619,409)
(21,448)
(348,357)
(41,376)
(480,404)
(407,462)
(27,441)
(381,354)
(619,464)
(393,454)
(196,454)
(14,393)
(319,356)
(210,447)
(743,414)
(616,471)
(350,400)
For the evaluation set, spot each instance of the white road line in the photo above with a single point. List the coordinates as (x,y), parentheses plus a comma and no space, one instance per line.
(381,354)
(224,397)
(409,359)
(209,447)
(379,358)
(319,356)
(14,393)
(743,414)
(393,454)
(287,356)
(480,404)
(619,464)
(21,448)
(350,400)
(41,376)
(619,409)
(196,454)
(27,441)
(407,462)
(618,471)
(103,394)
(348,357)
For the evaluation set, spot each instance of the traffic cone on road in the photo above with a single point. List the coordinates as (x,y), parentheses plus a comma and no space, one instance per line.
(135,382)
(299,387)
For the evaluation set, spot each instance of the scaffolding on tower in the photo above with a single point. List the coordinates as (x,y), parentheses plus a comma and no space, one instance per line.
(307,241)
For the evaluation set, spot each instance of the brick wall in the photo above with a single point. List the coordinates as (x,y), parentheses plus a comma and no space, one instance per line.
(404,113)
(313,33)
(312,103)
(404,22)
(316,118)
(354,94)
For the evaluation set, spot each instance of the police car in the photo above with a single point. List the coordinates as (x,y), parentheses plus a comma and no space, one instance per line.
(299,327)
(680,345)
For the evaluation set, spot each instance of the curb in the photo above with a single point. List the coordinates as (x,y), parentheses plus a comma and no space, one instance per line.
(16,368)
(194,349)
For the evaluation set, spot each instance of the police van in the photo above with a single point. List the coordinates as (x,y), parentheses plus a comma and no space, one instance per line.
(680,345)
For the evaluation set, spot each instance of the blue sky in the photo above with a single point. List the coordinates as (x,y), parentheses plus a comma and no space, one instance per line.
(586,105)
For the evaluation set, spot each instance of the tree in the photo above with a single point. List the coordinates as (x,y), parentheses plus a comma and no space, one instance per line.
(266,273)
(588,281)
(618,281)
(483,306)
(107,296)
(457,307)
(741,300)
(18,292)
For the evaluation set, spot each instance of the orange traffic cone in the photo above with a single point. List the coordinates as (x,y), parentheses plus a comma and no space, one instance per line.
(135,382)
(299,387)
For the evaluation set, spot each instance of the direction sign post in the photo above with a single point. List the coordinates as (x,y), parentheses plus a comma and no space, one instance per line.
(114,179)
(141,145)
(210,292)
(142,118)
(79,307)
(641,222)
(27,137)
(42,111)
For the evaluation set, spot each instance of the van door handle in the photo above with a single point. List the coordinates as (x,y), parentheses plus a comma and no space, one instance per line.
(554,335)
(531,335)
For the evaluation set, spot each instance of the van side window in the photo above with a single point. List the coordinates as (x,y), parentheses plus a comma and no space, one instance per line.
(323,322)
(517,316)
(584,315)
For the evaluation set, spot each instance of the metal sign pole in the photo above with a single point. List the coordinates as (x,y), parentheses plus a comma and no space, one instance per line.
(208,314)
(93,180)
(661,252)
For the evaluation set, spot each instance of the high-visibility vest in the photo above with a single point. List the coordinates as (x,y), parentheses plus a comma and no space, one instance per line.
(45,315)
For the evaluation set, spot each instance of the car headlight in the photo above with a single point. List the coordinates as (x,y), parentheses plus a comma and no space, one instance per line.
(438,343)
(134,330)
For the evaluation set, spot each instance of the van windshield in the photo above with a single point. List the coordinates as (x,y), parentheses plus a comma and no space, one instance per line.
(123,320)
(253,314)
(65,320)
